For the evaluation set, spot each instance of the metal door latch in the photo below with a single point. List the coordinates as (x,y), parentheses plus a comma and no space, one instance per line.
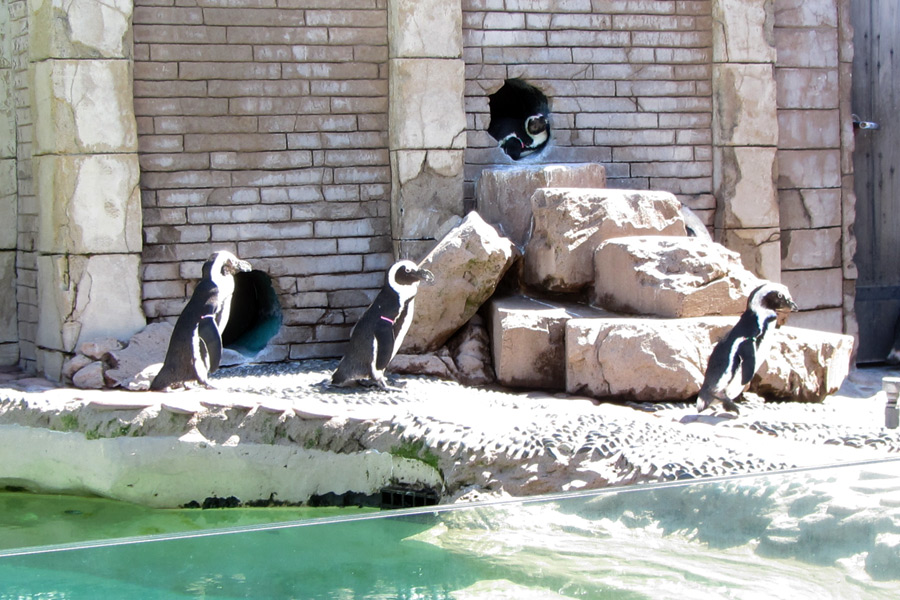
(857,124)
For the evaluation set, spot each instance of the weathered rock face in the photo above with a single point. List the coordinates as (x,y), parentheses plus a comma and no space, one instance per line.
(529,340)
(643,360)
(468,264)
(670,277)
(570,223)
(804,365)
(135,366)
(654,360)
(502,195)
(466,358)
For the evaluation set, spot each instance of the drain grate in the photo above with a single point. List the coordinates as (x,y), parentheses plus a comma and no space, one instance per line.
(397,496)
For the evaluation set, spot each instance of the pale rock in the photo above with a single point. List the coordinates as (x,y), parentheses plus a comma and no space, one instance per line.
(98,349)
(743,31)
(8,205)
(467,264)
(465,358)
(503,195)
(528,338)
(642,360)
(744,182)
(426,104)
(570,223)
(759,249)
(80,29)
(804,365)
(670,277)
(147,348)
(745,105)
(90,377)
(427,192)
(9,331)
(434,365)
(73,365)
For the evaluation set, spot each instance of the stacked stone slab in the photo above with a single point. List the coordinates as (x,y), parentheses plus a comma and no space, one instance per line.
(631,251)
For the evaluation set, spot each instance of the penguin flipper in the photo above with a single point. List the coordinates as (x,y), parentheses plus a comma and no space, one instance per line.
(212,338)
(747,354)
(384,344)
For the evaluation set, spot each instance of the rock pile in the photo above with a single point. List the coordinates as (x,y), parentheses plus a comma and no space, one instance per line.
(629,253)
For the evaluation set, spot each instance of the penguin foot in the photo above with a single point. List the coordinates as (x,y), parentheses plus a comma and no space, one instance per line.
(731,406)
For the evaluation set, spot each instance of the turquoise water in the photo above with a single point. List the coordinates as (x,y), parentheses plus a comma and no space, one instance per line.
(826,533)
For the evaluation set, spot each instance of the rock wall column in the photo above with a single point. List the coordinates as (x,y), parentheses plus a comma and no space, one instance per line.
(427,127)
(85,170)
(9,335)
(745,133)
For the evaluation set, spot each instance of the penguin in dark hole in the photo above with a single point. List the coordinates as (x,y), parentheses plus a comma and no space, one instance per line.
(520,119)
(737,357)
(377,335)
(195,347)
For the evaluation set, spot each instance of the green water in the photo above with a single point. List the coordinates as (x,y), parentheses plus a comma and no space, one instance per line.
(833,534)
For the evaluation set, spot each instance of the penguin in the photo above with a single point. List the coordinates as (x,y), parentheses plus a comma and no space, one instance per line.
(736,358)
(195,347)
(377,335)
(520,119)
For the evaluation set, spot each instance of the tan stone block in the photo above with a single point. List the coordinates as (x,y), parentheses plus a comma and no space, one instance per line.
(84,298)
(8,316)
(848,215)
(427,192)
(503,195)
(802,129)
(810,209)
(528,340)
(670,277)
(745,105)
(743,31)
(426,104)
(468,264)
(643,360)
(8,204)
(83,106)
(570,223)
(815,289)
(80,29)
(89,204)
(826,319)
(425,28)
(759,249)
(7,112)
(744,181)
(811,248)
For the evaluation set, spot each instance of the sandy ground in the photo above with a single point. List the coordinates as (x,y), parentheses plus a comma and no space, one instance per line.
(507,441)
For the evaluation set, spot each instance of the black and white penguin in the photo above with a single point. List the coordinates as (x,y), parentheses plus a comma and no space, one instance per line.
(195,347)
(520,119)
(377,335)
(736,358)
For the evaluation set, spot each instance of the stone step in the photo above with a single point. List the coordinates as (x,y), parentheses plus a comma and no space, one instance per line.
(583,350)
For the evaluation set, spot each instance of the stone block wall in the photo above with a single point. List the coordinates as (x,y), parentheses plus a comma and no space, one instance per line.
(320,139)
(815,144)
(630,85)
(263,130)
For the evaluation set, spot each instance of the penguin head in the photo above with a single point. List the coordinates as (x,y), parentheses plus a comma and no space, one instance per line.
(223,263)
(773,297)
(406,273)
(536,124)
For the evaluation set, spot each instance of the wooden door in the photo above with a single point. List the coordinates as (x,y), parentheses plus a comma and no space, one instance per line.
(876,97)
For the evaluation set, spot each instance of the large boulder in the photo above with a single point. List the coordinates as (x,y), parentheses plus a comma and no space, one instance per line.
(134,366)
(804,365)
(528,339)
(465,358)
(655,360)
(570,223)
(502,195)
(467,263)
(643,360)
(670,277)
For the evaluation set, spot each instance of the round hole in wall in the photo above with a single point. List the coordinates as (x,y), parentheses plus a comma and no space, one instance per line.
(520,119)
(255,314)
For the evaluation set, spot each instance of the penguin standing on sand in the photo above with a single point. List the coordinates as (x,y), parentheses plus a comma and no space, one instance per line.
(736,358)
(195,347)
(377,335)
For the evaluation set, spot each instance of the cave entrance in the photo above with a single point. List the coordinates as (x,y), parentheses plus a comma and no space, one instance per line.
(255,314)
(520,119)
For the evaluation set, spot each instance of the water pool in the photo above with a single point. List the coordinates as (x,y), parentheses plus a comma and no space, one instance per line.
(823,533)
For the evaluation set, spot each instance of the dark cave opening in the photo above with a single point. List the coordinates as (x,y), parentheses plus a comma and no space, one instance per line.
(255,314)
(520,119)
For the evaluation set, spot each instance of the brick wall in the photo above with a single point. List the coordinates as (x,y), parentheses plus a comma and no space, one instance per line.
(263,130)
(629,83)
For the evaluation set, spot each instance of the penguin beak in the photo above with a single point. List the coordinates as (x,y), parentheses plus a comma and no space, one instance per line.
(238,265)
(425,275)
